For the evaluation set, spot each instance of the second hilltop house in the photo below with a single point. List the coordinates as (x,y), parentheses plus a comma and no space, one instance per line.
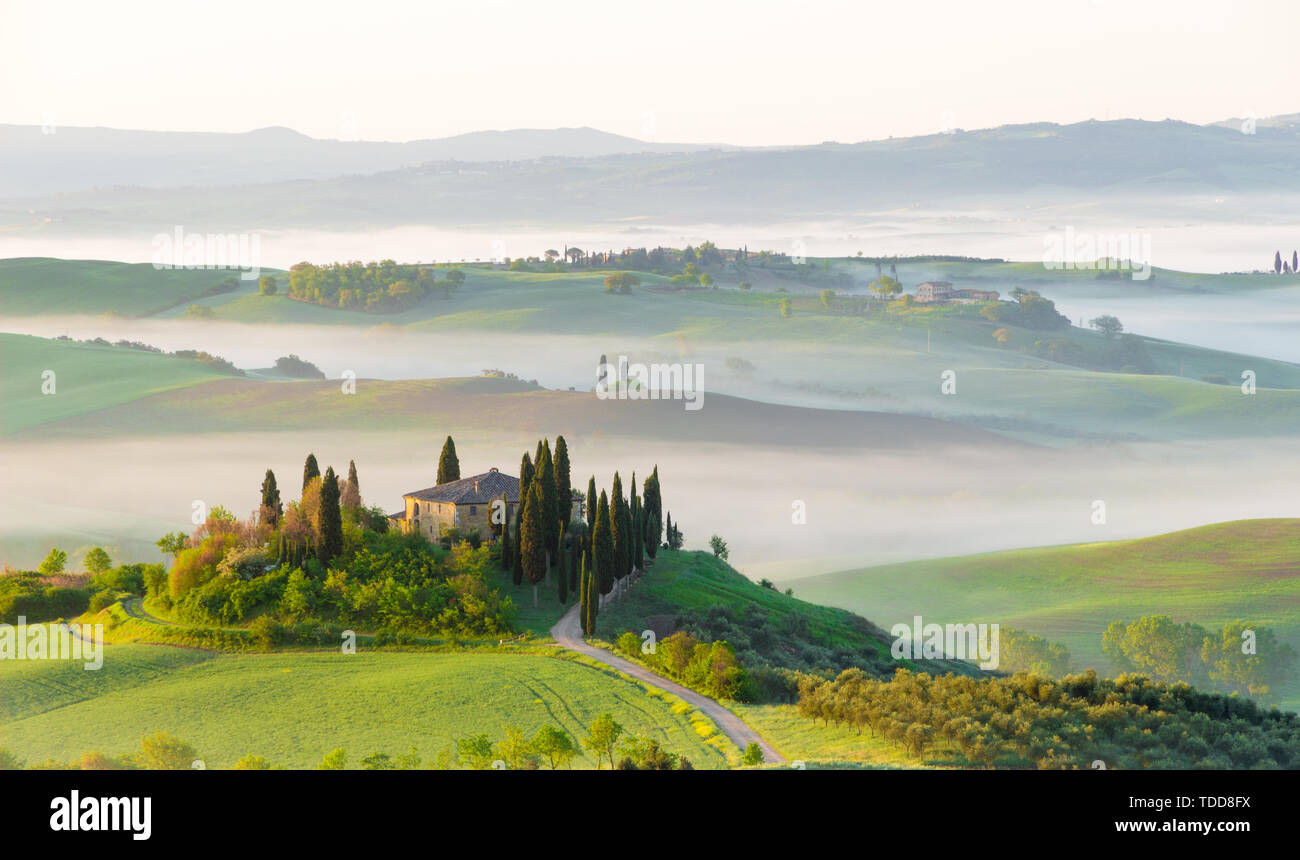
(465,504)
(936,292)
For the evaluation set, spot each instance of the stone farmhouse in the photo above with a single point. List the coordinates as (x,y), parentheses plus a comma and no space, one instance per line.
(938,292)
(466,505)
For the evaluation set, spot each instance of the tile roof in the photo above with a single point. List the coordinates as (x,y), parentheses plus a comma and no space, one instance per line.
(474,490)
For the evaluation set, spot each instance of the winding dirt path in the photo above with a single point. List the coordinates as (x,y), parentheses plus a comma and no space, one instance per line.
(568,632)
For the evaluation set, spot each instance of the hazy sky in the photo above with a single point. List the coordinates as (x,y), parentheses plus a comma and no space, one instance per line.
(753,72)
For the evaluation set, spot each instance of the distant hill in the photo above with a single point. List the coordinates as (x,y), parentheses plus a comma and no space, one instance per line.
(1116,163)
(1247,569)
(74,159)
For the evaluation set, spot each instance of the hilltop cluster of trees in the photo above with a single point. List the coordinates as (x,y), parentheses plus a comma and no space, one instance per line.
(1239,657)
(1286,267)
(327,558)
(1028,310)
(1029,720)
(383,287)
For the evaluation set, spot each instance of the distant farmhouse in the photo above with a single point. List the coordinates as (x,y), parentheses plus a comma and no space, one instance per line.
(465,504)
(938,292)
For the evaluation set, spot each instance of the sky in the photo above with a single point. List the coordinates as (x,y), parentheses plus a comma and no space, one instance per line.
(761,72)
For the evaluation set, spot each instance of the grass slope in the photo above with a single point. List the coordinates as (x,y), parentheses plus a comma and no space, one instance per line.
(87,378)
(31,286)
(1247,569)
(293,708)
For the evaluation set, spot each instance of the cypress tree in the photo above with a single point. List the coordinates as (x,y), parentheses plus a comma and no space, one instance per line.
(637,530)
(309,470)
(577,535)
(525,476)
(653,514)
(563,479)
(562,574)
(582,596)
(593,603)
(619,528)
(351,493)
(550,502)
(591,503)
(271,509)
(516,559)
(448,463)
(602,547)
(532,546)
(507,544)
(330,524)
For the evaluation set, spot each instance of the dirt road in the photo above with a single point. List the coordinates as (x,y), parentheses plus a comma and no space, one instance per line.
(568,632)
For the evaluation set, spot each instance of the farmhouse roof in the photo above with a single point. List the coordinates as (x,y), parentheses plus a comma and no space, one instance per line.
(474,490)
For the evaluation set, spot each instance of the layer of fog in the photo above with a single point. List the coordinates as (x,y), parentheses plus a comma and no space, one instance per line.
(861,507)
(1187,241)
(1256,322)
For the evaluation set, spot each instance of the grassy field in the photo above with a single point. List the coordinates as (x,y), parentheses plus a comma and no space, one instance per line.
(293,708)
(40,285)
(813,358)
(800,739)
(695,581)
(1249,569)
(87,378)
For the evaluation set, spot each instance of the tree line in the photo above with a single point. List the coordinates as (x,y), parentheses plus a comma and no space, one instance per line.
(1032,721)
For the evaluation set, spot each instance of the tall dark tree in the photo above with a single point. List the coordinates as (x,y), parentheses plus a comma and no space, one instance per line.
(329,519)
(516,557)
(620,528)
(1277,262)
(582,596)
(507,551)
(593,601)
(532,541)
(1295,261)
(448,463)
(576,533)
(563,478)
(271,509)
(636,532)
(562,574)
(545,477)
(653,514)
(350,495)
(591,503)
(602,547)
(309,470)
(525,476)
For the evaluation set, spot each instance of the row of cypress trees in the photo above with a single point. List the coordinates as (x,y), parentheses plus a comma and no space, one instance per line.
(590,557)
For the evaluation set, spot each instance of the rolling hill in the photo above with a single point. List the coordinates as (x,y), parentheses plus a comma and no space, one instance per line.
(1248,569)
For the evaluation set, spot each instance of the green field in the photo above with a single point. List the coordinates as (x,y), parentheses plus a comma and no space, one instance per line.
(1249,569)
(87,378)
(41,285)
(695,581)
(813,358)
(293,708)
